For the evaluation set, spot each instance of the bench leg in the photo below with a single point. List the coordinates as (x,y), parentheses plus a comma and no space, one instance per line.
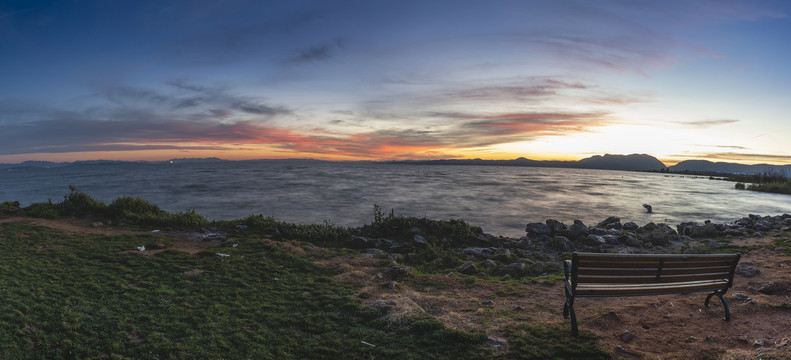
(724,303)
(568,311)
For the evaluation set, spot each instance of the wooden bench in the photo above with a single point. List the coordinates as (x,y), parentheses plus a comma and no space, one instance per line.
(602,275)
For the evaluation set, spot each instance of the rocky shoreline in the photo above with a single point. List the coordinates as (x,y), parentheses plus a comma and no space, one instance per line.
(546,244)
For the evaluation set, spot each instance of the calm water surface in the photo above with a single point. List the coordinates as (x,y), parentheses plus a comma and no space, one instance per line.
(499,199)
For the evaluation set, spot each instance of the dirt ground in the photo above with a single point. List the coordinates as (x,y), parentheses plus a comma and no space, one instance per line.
(660,327)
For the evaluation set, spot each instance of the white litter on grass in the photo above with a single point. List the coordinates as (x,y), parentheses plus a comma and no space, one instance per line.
(235,245)
(367,343)
(223,255)
(154,231)
(141,248)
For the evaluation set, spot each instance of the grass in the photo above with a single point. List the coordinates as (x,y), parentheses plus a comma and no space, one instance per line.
(96,296)
(91,297)
(768,181)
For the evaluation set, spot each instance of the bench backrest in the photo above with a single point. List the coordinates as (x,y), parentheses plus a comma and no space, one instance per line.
(593,268)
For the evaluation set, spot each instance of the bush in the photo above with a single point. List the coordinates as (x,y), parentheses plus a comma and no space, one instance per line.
(46,210)
(80,204)
(9,208)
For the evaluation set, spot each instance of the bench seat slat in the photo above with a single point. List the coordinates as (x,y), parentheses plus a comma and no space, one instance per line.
(653,263)
(603,279)
(648,289)
(651,271)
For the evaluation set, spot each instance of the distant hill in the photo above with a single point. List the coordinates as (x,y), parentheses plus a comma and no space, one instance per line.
(705,166)
(606,162)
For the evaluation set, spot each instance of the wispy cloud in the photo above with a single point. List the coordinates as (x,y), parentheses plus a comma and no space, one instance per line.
(705,123)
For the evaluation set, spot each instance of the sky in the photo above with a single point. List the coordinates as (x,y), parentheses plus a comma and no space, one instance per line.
(394,80)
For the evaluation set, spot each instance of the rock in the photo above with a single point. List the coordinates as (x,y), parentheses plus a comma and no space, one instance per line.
(537,268)
(615,226)
(420,240)
(709,339)
(360,242)
(487,303)
(747,271)
(380,303)
(538,229)
(762,226)
(375,252)
(513,269)
(97,224)
(556,227)
(393,285)
(577,230)
(714,244)
(490,264)
(631,226)
(740,298)
(397,272)
(609,220)
(594,240)
(559,243)
(658,237)
(467,268)
(610,239)
(650,227)
(611,316)
(785,341)
(774,288)
(703,230)
(759,343)
(691,339)
(626,336)
(402,248)
(480,252)
(598,231)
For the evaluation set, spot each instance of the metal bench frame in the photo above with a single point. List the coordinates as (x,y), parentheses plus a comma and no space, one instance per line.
(610,275)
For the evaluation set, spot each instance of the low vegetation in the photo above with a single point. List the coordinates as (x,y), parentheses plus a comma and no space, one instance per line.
(97,296)
(769,181)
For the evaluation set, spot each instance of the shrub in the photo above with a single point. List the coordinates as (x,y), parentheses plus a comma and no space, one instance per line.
(77,203)
(9,208)
(46,210)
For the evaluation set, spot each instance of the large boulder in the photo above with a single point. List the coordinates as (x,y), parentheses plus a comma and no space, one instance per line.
(577,230)
(556,227)
(705,230)
(467,268)
(608,221)
(538,229)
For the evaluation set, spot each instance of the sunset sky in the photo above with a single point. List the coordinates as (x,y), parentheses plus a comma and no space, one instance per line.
(383,80)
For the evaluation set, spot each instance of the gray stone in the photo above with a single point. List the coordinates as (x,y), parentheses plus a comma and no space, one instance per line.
(537,268)
(467,268)
(759,343)
(594,240)
(490,264)
(609,220)
(577,231)
(513,269)
(397,272)
(627,336)
(559,243)
(631,226)
(650,227)
(747,271)
(703,230)
(556,227)
(538,229)
(419,240)
(740,298)
(714,244)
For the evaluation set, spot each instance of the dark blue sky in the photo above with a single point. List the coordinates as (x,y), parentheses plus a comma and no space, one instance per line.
(394,80)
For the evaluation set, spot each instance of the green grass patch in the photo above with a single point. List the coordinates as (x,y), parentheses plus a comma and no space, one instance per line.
(96,296)
(551,342)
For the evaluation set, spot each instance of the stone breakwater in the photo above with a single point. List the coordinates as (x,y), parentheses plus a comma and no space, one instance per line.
(546,244)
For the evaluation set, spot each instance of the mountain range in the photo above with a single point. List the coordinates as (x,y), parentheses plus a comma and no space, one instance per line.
(632,162)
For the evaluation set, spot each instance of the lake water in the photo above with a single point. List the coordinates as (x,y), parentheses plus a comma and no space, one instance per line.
(499,199)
